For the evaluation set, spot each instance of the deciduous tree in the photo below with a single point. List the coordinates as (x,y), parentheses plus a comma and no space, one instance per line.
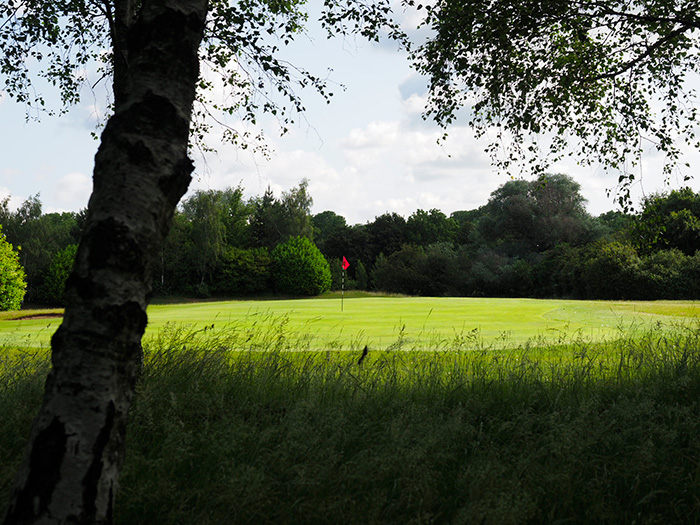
(527,217)
(669,220)
(41,236)
(276,220)
(244,272)
(12,277)
(602,80)
(57,273)
(325,225)
(386,234)
(204,214)
(424,228)
(299,268)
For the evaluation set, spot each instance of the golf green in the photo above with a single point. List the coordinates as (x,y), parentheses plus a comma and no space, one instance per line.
(380,321)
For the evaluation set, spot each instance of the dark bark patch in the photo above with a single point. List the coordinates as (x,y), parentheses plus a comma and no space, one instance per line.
(174,28)
(85,288)
(45,462)
(154,116)
(94,473)
(175,184)
(112,245)
(139,154)
(129,317)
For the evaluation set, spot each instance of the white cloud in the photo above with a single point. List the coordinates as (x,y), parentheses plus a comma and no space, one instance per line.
(400,169)
(15,200)
(11,175)
(72,191)
(410,18)
(415,104)
(374,135)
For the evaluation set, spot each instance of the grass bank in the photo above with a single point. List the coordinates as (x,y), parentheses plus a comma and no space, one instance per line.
(586,431)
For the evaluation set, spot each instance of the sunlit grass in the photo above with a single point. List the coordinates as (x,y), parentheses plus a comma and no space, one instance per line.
(379,321)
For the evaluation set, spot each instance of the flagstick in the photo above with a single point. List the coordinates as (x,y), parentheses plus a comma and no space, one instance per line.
(343,266)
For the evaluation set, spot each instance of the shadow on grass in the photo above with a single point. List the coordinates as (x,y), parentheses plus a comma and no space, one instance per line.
(232,427)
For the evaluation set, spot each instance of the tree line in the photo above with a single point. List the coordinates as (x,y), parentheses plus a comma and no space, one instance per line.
(531,239)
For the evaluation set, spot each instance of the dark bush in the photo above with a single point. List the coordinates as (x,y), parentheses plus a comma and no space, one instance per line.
(613,271)
(299,268)
(244,271)
(56,274)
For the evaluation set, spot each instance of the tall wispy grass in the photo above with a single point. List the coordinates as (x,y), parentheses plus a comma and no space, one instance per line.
(22,376)
(256,425)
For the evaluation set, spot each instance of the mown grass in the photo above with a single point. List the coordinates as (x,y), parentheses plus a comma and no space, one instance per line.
(231,426)
(379,321)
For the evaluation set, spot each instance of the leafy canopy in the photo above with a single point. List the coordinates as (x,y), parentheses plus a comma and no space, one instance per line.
(527,217)
(70,44)
(57,274)
(602,80)
(299,268)
(669,221)
(12,278)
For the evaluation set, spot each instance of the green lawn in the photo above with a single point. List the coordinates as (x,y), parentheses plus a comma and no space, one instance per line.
(381,321)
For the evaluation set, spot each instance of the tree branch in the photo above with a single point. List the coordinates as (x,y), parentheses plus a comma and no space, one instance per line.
(626,66)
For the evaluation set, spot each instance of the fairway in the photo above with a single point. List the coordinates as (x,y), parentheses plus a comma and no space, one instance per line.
(421,323)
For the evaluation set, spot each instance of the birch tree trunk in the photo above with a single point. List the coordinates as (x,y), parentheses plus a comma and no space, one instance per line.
(76,448)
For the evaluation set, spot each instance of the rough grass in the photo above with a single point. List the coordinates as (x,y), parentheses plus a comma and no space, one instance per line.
(22,375)
(231,427)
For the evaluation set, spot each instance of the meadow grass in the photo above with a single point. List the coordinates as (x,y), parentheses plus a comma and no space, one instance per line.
(232,425)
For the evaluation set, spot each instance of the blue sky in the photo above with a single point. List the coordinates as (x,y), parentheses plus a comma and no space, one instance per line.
(366,153)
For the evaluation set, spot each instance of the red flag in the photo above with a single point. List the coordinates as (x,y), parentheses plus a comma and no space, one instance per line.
(346,264)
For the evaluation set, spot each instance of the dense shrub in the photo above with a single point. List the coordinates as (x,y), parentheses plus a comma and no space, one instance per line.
(613,271)
(558,273)
(299,268)
(691,277)
(361,276)
(604,270)
(56,274)
(440,267)
(486,274)
(402,271)
(244,271)
(413,270)
(517,279)
(12,278)
(662,275)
